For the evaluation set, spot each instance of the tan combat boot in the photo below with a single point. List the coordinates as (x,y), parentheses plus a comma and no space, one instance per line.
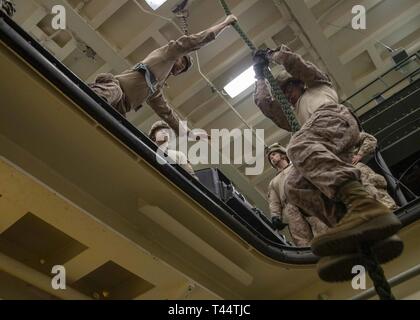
(366,220)
(339,268)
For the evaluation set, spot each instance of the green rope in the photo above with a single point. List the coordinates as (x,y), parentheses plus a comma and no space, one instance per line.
(279,96)
(278,93)
(183,21)
(237,27)
(376,273)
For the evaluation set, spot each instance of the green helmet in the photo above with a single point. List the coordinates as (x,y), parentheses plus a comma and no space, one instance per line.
(275,147)
(158,125)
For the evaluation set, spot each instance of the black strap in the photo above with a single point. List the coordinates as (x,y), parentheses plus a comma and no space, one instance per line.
(148,75)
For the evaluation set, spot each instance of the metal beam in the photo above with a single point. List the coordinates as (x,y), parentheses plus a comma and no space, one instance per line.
(10,214)
(89,35)
(403,11)
(312,3)
(341,16)
(34,19)
(108,10)
(37,279)
(321,44)
(394,281)
(413,47)
(374,56)
(142,37)
(84,263)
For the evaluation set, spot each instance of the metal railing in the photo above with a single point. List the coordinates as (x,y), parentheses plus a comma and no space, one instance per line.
(377,91)
(385,85)
(394,281)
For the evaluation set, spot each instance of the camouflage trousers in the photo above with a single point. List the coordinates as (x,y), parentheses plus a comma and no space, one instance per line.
(376,185)
(321,153)
(302,228)
(108,88)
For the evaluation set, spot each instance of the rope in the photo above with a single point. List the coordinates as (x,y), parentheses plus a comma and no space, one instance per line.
(183,21)
(278,93)
(237,27)
(376,273)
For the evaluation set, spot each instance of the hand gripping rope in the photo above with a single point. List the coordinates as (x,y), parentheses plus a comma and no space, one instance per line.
(376,273)
(374,269)
(278,93)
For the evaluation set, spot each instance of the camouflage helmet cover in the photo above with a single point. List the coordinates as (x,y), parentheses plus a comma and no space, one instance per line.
(275,147)
(158,125)
(190,62)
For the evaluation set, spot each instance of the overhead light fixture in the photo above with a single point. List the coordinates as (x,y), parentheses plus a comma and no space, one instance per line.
(240,83)
(155,4)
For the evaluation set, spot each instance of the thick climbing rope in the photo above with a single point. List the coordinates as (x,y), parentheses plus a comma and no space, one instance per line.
(376,273)
(183,21)
(278,93)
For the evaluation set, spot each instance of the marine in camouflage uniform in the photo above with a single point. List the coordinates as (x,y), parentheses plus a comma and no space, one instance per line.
(323,182)
(322,150)
(302,228)
(158,133)
(143,83)
(374,183)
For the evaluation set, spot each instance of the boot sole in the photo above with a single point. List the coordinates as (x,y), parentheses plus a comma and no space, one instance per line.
(348,241)
(339,268)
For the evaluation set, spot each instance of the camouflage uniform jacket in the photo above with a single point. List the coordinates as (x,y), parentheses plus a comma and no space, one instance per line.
(366,146)
(276,195)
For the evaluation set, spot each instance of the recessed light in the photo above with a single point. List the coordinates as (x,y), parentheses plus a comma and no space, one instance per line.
(155,4)
(240,83)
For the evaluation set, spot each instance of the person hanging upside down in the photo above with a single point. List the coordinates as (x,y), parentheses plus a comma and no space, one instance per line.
(143,83)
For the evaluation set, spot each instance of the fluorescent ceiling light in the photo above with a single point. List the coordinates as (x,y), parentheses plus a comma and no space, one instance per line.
(155,4)
(240,83)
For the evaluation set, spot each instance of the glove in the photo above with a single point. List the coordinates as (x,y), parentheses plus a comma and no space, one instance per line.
(277,223)
(260,63)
